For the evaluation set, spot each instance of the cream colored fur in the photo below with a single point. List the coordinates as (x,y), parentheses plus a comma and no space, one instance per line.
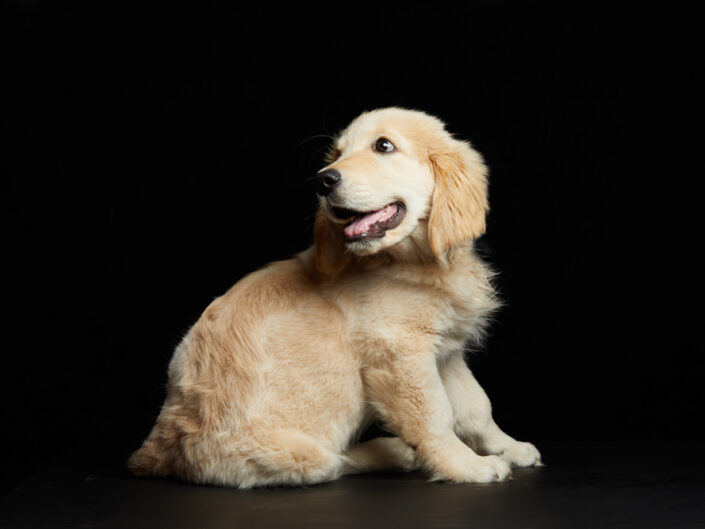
(276,380)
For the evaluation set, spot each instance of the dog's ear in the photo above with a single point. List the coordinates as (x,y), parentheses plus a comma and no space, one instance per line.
(460,202)
(329,246)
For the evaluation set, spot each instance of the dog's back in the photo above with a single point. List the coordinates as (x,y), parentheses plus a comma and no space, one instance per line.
(230,416)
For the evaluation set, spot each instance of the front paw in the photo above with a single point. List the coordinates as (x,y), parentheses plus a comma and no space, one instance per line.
(521,455)
(485,469)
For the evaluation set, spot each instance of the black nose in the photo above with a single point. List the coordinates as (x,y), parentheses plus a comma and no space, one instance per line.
(327,181)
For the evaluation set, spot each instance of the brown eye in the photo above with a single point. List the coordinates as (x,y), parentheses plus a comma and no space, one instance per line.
(383,145)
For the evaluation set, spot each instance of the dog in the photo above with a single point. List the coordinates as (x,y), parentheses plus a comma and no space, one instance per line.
(275,382)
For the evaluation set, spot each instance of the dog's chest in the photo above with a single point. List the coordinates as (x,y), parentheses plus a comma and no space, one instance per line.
(464,305)
(442,311)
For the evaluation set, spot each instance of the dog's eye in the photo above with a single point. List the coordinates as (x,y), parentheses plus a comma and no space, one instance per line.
(384,145)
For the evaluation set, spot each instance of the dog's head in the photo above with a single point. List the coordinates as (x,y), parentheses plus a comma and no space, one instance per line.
(397,178)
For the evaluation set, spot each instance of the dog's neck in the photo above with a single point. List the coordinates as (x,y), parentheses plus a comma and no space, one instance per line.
(412,252)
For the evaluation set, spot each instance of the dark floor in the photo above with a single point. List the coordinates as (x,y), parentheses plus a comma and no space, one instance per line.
(610,486)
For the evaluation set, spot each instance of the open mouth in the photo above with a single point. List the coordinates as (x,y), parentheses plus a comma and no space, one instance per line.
(370,224)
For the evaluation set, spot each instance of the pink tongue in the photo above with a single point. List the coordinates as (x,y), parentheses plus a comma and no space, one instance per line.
(362,225)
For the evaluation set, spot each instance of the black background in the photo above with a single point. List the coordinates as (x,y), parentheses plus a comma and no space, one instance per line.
(153,156)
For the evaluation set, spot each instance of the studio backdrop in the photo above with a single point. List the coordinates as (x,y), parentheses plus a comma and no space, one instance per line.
(159,155)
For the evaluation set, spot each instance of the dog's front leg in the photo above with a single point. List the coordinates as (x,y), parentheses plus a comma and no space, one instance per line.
(409,396)
(473,420)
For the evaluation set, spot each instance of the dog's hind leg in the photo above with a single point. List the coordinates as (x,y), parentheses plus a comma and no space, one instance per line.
(379,455)
(287,457)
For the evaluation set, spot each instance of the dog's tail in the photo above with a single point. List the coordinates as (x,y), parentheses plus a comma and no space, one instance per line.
(158,456)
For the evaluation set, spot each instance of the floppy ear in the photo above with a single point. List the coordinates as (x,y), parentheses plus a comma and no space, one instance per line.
(460,201)
(329,246)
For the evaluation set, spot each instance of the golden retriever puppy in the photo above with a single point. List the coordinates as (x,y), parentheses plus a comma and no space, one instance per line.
(276,380)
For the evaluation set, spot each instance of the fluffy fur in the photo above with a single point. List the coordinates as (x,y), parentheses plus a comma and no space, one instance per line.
(276,380)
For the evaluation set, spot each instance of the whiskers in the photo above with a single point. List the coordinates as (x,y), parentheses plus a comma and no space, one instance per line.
(315,137)
(313,159)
